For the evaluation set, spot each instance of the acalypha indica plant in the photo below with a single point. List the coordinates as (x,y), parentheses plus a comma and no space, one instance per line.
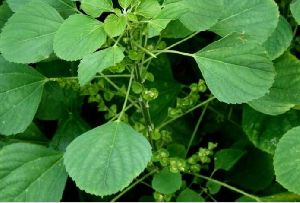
(149,100)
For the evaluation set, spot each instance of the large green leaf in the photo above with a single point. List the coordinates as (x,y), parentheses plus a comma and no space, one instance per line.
(202,14)
(295,9)
(78,36)
(148,8)
(264,131)
(68,129)
(287,162)
(249,17)
(236,69)
(286,89)
(280,39)
(106,159)
(64,7)
(95,8)
(31,172)
(37,22)
(97,62)
(21,90)
(166,182)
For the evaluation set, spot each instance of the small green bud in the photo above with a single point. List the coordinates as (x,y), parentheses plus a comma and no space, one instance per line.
(164,161)
(194,87)
(149,76)
(202,86)
(174,112)
(163,153)
(108,96)
(161,45)
(212,146)
(195,168)
(193,159)
(158,196)
(135,55)
(156,135)
(136,87)
(150,95)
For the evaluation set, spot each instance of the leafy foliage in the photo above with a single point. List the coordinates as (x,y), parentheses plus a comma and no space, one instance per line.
(190,99)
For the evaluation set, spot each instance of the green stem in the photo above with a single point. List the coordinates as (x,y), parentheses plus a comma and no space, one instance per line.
(126,97)
(184,113)
(175,52)
(227,186)
(97,76)
(181,41)
(196,129)
(133,185)
(145,50)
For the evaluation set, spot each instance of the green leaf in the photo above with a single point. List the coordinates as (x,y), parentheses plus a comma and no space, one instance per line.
(253,172)
(202,14)
(295,9)
(21,89)
(177,150)
(106,159)
(287,162)
(68,129)
(95,8)
(155,26)
(64,7)
(38,22)
(213,187)
(173,10)
(175,29)
(264,131)
(247,17)
(226,158)
(115,25)
(166,182)
(236,69)
(280,39)
(78,36)
(125,3)
(189,195)
(97,62)
(286,89)
(5,14)
(148,8)
(31,173)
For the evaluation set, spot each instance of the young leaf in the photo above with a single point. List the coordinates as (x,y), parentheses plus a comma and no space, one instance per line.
(115,25)
(38,22)
(95,8)
(78,36)
(64,7)
(295,9)
(125,3)
(68,129)
(166,182)
(148,8)
(189,195)
(286,89)
(226,158)
(106,159)
(31,173)
(280,39)
(287,162)
(21,89)
(247,16)
(264,131)
(236,69)
(97,62)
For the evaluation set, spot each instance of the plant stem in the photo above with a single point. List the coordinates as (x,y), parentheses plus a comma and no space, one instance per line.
(126,97)
(227,186)
(145,50)
(97,76)
(133,185)
(175,52)
(181,41)
(118,89)
(196,129)
(184,113)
